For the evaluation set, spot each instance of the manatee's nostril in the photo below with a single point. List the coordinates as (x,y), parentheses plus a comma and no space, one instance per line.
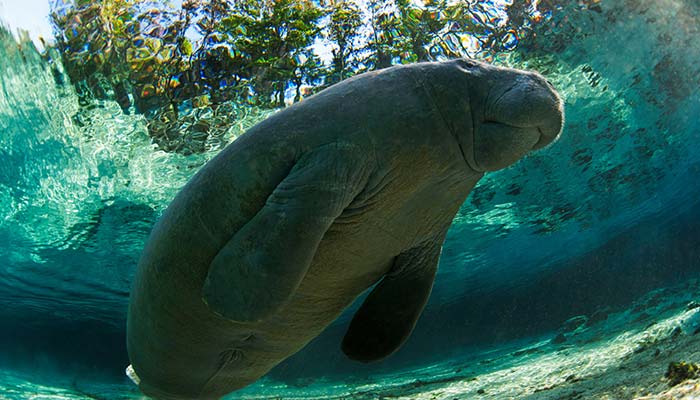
(468,63)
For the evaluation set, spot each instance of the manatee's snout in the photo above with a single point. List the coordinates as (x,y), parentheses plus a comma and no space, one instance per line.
(530,102)
(521,112)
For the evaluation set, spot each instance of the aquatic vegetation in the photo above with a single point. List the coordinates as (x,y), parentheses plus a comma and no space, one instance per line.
(681,371)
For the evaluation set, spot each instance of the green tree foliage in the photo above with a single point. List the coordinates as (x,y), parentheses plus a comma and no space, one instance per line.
(260,49)
(163,62)
(156,54)
(308,70)
(421,26)
(216,66)
(343,31)
(385,42)
(271,35)
(458,28)
(93,38)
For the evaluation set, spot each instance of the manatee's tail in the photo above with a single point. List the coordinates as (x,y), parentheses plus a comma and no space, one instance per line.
(132,375)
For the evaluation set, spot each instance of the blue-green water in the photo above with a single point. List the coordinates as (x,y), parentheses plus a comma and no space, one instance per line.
(609,212)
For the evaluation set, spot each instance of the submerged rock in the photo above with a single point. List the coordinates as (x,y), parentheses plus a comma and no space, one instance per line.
(559,339)
(573,323)
(598,316)
(687,390)
(691,323)
(677,331)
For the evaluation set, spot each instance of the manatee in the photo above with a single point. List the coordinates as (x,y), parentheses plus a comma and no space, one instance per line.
(280,232)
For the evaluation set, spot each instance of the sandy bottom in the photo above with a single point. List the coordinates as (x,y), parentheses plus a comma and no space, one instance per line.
(621,355)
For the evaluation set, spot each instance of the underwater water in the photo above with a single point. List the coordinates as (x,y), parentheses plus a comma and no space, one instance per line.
(603,225)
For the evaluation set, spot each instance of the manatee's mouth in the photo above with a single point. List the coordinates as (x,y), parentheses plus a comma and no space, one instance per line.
(543,139)
(498,144)
(512,128)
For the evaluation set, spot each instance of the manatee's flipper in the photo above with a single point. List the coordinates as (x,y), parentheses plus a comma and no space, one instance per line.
(391,310)
(259,269)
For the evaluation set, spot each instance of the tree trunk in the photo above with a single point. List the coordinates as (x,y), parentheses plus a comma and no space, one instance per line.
(297,97)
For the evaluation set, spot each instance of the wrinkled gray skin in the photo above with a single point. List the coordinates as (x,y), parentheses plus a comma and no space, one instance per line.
(281,231)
